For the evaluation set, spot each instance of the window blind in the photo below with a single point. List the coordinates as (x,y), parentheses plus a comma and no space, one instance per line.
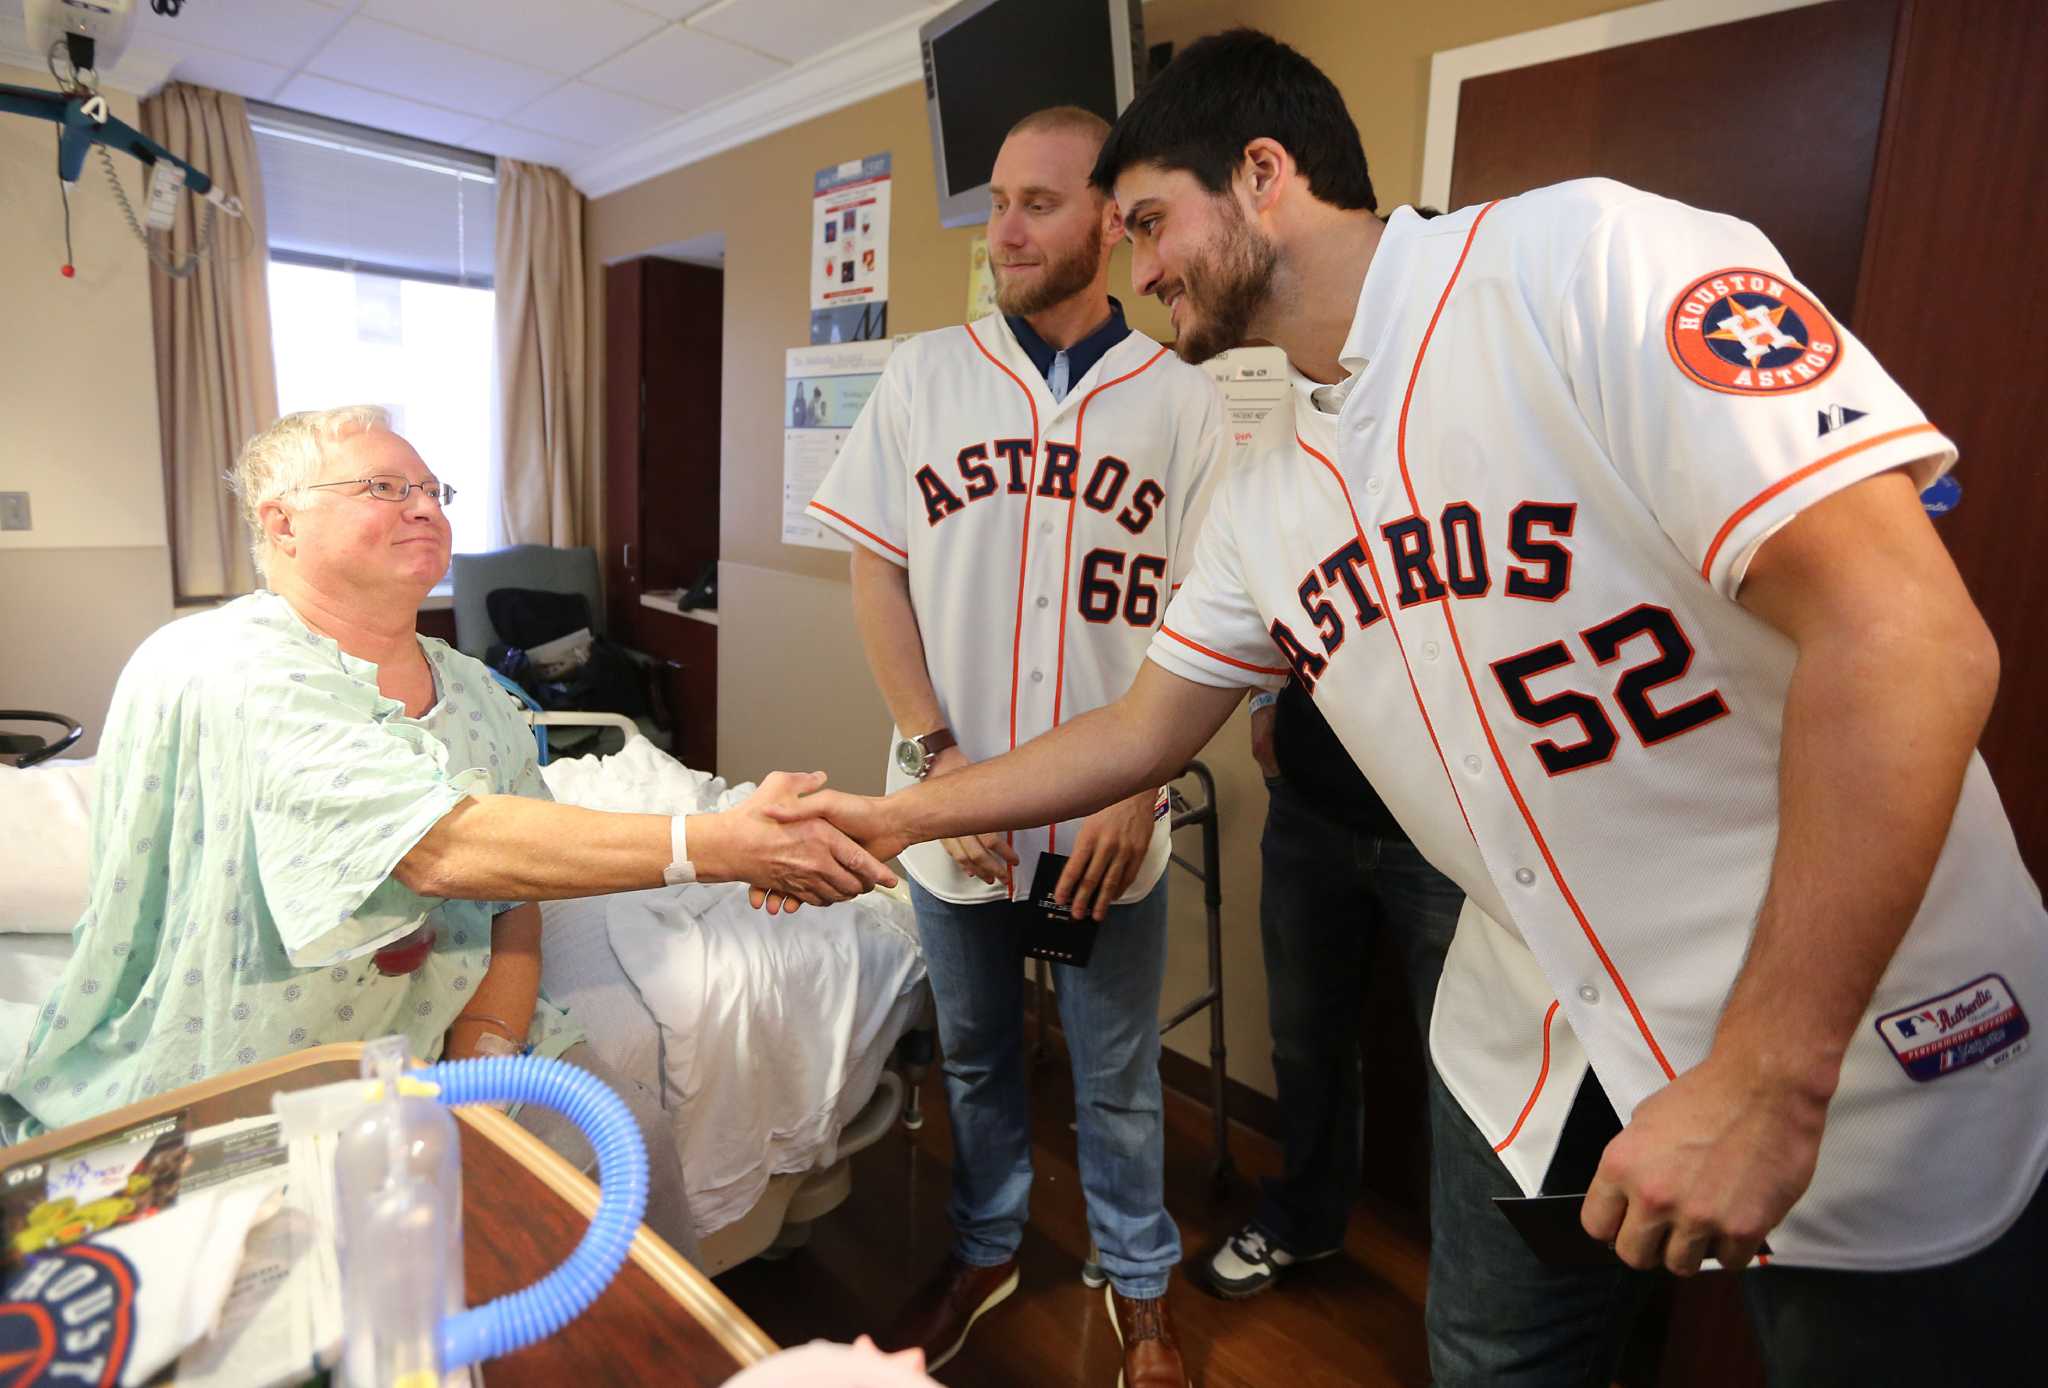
(352,198)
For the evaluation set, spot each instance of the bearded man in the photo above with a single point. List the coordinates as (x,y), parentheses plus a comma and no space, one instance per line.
(1023,495)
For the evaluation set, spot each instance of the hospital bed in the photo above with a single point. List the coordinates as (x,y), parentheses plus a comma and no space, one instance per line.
(770,1044)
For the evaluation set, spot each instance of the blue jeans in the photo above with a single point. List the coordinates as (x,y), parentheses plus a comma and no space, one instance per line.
(1326,891)
(1110,1011)
(1497,1314)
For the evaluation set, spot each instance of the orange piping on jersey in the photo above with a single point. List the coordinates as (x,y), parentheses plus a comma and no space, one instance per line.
(848,520)
(1485,726)
(1542,1074)
(1059,687)
(1023,554)
(1218,655)
(1742,512)
(1394,627)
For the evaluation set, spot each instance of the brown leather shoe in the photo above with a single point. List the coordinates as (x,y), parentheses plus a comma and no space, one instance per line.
(938,1318)
(1151,1353)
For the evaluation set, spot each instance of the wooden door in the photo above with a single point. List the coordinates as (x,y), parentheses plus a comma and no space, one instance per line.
(1773,119)
(1954,302)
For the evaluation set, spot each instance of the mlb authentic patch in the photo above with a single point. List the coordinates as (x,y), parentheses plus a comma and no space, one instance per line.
(1749,332)
(1981,1020)
(67,1318)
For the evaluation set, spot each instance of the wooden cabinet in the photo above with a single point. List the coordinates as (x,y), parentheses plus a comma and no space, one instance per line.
(664,326)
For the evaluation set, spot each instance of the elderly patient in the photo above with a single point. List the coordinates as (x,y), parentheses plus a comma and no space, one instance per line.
(315,825)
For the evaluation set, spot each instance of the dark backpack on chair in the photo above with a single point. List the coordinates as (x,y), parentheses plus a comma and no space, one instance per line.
(608,681)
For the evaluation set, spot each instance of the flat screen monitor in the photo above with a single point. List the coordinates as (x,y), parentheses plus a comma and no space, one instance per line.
(990,63)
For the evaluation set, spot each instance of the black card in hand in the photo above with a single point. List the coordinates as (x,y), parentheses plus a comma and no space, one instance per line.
(1050,930)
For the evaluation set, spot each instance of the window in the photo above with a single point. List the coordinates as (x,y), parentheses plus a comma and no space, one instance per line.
(381,250)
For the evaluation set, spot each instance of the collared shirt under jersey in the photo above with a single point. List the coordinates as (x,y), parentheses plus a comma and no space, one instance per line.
(1061,367)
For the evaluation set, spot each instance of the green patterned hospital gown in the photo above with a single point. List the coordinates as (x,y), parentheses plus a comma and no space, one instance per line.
(255,792)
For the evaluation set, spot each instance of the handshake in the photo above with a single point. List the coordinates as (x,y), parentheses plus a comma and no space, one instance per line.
(795,843)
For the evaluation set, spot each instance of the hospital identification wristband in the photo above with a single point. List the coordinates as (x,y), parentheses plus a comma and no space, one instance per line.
(681,871)
(1265,698)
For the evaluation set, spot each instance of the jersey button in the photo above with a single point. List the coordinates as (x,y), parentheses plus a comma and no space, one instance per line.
(1588,993)
(1038,677)
(1430,650)
(1525,876)
(1472,765)
(1372,484)
(1043,601)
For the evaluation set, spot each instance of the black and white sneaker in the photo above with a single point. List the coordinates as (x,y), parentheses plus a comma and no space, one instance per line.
(1249,1262)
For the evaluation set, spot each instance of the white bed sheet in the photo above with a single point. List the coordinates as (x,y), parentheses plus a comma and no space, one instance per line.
(769,1033)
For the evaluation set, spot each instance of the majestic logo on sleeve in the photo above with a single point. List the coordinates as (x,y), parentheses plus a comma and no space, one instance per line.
(1748,332)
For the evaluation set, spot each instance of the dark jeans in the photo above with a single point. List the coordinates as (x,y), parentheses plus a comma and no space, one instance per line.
(1499,1316)
(1326,891)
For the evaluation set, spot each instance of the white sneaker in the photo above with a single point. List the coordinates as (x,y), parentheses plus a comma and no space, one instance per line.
(1249,1262)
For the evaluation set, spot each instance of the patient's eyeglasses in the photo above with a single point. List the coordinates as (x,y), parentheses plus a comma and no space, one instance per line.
(387,486)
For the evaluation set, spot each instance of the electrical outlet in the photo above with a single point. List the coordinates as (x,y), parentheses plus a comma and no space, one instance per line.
(14,511)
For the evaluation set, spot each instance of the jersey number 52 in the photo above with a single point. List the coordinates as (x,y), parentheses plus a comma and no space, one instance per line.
(1672,658)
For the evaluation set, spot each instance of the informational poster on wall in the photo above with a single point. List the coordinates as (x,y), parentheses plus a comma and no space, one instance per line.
(1254,380)
(981,281)
(850,251)
(823,390)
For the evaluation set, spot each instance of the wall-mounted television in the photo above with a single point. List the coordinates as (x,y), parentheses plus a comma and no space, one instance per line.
(989,63)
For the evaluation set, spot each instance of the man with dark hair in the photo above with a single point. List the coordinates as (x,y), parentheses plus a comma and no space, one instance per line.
(1681,688)
(1008,574)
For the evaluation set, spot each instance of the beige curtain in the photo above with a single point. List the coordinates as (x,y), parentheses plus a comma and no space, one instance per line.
(547,484)
(216,381)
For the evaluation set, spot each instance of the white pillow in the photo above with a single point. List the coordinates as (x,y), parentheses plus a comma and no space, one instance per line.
(45,832)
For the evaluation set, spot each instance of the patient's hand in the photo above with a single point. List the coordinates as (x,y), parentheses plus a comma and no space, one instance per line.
(785,856)
(869,820)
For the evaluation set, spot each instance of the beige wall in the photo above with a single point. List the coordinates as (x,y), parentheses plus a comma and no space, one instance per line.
(78,431)
(793,689)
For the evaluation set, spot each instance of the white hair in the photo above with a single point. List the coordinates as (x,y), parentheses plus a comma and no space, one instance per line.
(288,455)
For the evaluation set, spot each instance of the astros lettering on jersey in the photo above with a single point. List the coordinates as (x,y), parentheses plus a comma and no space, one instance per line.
(1044,538)
(1506,570)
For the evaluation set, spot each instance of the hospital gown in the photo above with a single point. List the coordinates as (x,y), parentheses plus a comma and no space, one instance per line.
(256,792)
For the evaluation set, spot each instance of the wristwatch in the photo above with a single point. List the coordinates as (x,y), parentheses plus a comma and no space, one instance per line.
(914,755)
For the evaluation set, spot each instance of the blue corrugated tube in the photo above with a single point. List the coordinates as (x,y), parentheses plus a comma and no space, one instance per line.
(515,1321)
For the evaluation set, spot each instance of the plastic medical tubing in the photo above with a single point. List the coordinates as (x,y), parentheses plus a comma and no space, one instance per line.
(534,1313)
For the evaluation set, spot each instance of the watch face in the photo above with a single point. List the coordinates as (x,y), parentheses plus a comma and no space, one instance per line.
(910,758)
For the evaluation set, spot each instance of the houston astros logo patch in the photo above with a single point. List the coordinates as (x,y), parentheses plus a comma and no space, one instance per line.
(67,1318)
(1749,332)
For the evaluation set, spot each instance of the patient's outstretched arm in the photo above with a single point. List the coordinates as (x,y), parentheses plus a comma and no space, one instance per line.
(511,847)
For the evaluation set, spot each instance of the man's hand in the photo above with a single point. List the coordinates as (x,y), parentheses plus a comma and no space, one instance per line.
(988,857)
(1707,1167)
(784,857)
(1107,854)
(1262,741)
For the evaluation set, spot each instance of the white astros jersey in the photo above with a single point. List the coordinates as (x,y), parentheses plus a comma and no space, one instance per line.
(1506,570)
(1044,538)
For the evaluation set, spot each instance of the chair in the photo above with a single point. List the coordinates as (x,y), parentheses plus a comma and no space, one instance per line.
(554,570)
(542,567)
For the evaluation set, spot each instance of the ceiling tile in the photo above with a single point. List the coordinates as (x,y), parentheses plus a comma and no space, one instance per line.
(514,143)
(283,32)
(377,110)
(797,29)
(390,59)
(563,36)
(224,72)
(684,70)
(673,9)
(579,111)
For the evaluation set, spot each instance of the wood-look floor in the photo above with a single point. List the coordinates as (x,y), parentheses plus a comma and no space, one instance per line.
(1351,1320)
